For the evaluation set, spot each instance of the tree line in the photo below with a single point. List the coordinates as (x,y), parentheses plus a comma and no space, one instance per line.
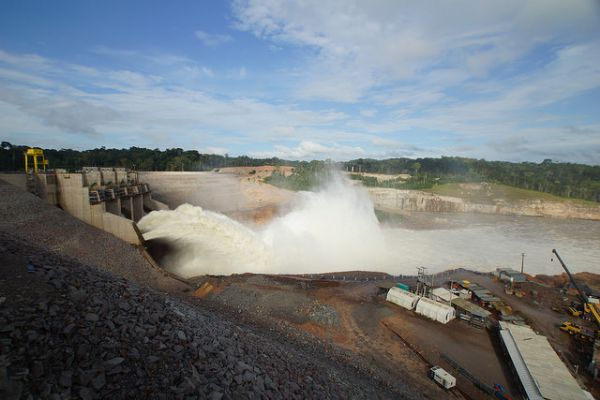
(562,179)
(142,159)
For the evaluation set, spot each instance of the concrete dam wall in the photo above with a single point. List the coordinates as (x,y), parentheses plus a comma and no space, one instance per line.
(394,200)
(111,199)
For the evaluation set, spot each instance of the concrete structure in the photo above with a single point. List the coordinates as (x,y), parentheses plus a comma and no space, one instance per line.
(111,199)
(541,373)
(435,311)
(402,298)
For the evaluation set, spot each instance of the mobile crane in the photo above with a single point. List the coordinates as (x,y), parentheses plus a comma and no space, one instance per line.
(587,305)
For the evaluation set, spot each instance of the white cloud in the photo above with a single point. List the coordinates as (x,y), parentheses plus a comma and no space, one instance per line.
(212,39)
(142,109)
(359,46)
(309,150)
(212,150)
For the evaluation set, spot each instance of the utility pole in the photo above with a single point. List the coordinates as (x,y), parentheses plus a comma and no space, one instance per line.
(522,261)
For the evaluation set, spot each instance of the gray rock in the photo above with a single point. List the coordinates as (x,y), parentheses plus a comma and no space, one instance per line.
(99,381)
(86,393)
(249,376)
(37,369)
(113,362)
(239,379)
(65,379)
(91,317)
(215,395)
(69,329)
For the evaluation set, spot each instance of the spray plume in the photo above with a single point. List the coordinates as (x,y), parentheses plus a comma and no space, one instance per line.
(332,229)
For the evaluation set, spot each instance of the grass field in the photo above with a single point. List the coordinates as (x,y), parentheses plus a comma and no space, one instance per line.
(489,193)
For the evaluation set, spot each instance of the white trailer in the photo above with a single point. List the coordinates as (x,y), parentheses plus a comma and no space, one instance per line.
(443,378)
(436,311)
(402,298)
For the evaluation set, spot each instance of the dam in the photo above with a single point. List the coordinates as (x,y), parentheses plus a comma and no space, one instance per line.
(111,199)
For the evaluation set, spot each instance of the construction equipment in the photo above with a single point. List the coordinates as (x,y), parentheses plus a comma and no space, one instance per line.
(571,328)
(588,305)
(574,310)
(34,162)
(578,332)
(35,158)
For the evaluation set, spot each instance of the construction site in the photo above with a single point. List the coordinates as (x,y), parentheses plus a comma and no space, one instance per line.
(81,277)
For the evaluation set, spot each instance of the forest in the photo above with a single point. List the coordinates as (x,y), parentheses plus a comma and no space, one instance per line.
(568,180)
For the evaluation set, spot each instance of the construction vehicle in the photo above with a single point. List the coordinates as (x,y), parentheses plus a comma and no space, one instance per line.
(589,305)
(571,328)
(574,310)
(578,332)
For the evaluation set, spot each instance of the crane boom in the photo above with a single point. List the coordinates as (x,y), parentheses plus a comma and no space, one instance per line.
(587,306)
(582,295)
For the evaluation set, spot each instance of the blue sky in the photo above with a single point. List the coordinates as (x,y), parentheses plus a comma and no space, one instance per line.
(505,79)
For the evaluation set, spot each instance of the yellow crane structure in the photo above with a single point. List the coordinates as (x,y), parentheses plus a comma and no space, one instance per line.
(35,160)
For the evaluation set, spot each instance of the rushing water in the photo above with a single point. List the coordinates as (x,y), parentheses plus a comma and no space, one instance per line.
(335,229)
(484,242)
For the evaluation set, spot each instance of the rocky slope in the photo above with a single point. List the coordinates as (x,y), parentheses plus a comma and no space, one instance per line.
(394,200)
(70,331)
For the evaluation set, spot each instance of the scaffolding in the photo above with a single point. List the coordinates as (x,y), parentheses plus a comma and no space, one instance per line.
(424,283)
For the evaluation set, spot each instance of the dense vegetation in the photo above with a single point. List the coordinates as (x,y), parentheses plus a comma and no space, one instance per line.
(561,179)
(11,159)
(306,176)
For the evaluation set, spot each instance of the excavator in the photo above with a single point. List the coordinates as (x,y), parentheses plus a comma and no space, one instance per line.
(589,305)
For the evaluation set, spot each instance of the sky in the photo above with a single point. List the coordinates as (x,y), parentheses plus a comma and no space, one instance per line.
(515,80)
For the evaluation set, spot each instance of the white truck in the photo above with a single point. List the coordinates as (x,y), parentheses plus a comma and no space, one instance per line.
(443,378)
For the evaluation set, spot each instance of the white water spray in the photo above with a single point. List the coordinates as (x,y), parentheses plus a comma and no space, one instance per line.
(333,229)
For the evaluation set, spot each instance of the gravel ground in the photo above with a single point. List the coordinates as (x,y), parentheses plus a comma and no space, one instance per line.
(82,315)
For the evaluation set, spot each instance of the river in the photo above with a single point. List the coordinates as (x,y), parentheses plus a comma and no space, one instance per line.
(483,242)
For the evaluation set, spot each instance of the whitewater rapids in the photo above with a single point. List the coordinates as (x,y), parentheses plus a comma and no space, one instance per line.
(332,229)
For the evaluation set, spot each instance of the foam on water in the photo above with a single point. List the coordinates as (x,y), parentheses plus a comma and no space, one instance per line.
(205,242)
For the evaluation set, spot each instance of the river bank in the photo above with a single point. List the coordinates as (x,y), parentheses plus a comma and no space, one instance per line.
(482,199)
